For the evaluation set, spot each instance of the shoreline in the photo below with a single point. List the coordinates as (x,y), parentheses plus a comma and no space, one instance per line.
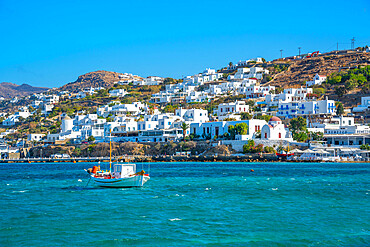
(266,158)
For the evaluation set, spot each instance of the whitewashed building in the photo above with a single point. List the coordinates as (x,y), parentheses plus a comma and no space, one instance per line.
(150,81)
(35,137)
(365,104)
(275,130)
(255,91)
(295,109)
(317,80)
(233,107)
(117,92)
(193,115)
(212,129)
(288,95)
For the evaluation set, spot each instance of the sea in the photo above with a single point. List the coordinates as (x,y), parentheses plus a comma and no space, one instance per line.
(188,204)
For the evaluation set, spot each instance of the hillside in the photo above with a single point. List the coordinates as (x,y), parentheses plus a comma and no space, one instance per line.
(11,90)
(301,71)
(99,78)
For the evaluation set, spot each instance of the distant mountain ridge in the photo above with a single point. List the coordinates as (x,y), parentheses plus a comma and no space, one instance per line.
(11,90)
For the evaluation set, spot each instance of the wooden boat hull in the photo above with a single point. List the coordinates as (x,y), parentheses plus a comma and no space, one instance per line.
(127,182)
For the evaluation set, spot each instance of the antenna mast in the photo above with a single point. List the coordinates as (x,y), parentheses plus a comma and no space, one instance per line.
(110,150)
(353,43)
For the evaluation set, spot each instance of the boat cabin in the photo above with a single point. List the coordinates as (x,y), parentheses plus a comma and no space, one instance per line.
(124,170)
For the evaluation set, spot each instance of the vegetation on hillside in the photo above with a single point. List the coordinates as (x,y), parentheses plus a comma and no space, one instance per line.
(344,82)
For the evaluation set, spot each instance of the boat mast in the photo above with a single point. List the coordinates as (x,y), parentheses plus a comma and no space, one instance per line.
(110,150)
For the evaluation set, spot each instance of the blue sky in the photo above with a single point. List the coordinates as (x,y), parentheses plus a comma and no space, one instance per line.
(51,43)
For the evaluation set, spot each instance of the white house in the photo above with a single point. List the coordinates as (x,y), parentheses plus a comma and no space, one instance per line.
(193,115)
(246,73)
(117,92)
(66,132)
(339,125)
(14,118)
(150,81)
(255,91)
(208,75)
(275,130)
(288,95)
(317,80)
(234,107)
(365,104)
(244,63)
(299,108)
(212,129)
(35,137)
(196,96)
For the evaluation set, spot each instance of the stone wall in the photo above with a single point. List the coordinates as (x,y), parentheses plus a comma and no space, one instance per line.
(237,145)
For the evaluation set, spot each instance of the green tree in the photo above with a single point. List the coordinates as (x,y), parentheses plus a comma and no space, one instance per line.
(91,139)
(242,128)
(184,127)
(238,129)
(251,148)
(317,136)
(298,124)
(246,116)
(300,136)
(318,91)
(340,109)
(340,90)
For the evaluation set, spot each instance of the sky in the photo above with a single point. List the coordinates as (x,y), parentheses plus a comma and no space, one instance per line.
(51,43)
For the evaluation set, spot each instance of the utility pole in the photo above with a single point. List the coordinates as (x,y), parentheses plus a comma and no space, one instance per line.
(299,49)
(281,54)
(353,43)
(337,46)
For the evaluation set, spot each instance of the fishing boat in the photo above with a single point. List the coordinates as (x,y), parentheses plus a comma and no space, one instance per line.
(124,175)
(284,152)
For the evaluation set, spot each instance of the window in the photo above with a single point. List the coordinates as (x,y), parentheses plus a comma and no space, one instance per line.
(279,135)
(266,135)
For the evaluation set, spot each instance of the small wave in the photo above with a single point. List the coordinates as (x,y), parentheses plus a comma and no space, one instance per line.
(175,219)
(274,188)
(267,178)
(292,179)
(207,188)
(79,180)
(21,191)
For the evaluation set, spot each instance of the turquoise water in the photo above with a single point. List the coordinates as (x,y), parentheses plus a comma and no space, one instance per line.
(188,204)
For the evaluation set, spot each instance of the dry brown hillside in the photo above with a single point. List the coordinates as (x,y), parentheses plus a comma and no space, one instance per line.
(304,70)
(99,78)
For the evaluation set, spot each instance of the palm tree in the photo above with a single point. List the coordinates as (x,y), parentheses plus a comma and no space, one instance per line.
(184,127)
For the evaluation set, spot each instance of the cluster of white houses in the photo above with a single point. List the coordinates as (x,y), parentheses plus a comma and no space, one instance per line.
(138,122)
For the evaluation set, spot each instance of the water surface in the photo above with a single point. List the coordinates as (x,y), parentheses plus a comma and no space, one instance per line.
(188,204)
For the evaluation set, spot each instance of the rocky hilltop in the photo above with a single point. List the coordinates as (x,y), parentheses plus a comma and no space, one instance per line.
(10,90)
(300,71)
(99,78)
